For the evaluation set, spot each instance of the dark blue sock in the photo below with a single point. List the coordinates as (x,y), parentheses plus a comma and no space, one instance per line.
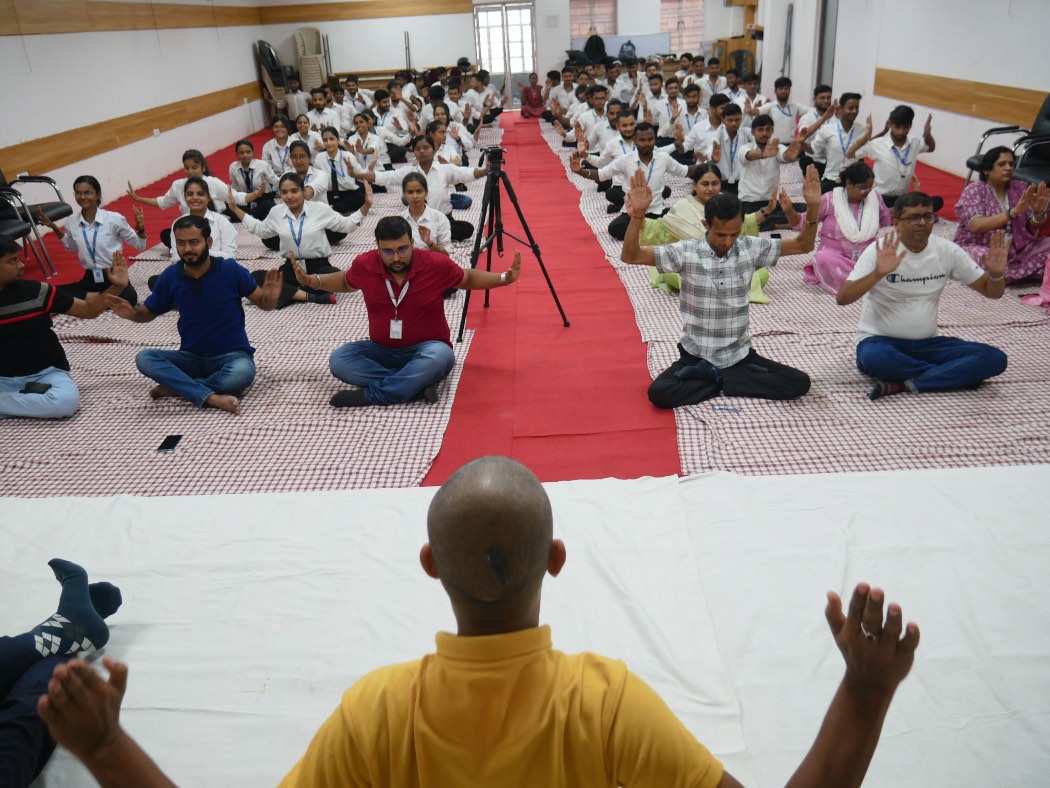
(76,628)
(105,598)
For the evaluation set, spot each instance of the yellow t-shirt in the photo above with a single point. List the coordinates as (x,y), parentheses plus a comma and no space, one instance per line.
(501,711)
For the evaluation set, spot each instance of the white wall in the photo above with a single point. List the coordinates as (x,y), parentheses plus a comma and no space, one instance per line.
(635,17)
(721,21)
(552,34)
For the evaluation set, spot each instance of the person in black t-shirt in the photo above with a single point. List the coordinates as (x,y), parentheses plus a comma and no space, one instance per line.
(34,371)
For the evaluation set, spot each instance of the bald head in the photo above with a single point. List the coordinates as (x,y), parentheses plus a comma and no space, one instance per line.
(490,528)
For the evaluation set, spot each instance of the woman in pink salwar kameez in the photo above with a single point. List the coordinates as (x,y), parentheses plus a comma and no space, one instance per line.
(997,202)
(850,218)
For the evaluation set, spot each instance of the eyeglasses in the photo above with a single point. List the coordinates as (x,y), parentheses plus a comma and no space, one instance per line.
(401,251)
(922,218)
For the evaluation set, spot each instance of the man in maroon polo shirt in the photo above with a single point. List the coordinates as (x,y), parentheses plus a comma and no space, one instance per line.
(410,349)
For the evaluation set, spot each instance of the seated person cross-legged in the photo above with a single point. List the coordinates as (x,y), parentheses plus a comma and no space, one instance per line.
(901,279)
(214,363)
(34,371)
(496,704)
(715,350)
(409,350)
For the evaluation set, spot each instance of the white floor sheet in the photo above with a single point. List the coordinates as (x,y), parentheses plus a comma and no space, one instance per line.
(245,617)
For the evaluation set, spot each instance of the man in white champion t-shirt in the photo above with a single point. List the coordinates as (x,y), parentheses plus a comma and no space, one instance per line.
(901,283)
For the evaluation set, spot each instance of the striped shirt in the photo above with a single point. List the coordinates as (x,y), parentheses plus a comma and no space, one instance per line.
(28,344)
(715,293)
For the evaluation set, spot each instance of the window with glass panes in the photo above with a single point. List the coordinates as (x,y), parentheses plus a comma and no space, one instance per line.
(587,17)
(684,20)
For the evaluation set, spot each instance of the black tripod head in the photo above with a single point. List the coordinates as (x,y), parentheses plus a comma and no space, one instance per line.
(494,155)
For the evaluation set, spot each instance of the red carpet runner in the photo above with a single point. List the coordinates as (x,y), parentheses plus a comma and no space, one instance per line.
(568,402)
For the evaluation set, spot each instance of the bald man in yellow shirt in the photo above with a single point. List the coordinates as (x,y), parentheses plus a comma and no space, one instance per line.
(496,705)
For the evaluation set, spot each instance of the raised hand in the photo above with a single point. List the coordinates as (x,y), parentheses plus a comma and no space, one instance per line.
(877,656)
(42,218)
(300,275)
(120,307)
(927,127)
(772,204)
(272,285)
(772,148)
(716,151)
(1042,198)
(82,712)
(514,272)
(787,207)
(118,274)
(424,234)
(442,160)
(1026,202)
(639,197)
(831,111)
(998,251)
(648,115)
(868,127)
(887,258)
(395,123)
(811,190)
(574,162)
(454,133)
(364,209)
(140,219)
(676,111)
(700,156)
(131,192)
(679,133)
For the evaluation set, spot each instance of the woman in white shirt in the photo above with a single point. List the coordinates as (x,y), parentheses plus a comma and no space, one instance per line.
(275,151)
(95,235)
(345,195)
(305,134)
(300,226)
(363,144)
(223,233)
(430,228)
(249,174)
(195,166)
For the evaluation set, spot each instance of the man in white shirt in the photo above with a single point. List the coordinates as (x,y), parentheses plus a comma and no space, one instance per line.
(666,110)
(783,111)
(760,162)
(895,153)
(656,165)
(714,83)
(813,117)
(696,74)
(621,145)
(834,139)
(697,140)
(626,84)
(406,83)
(296,101)
(391,127)
(604,131)
(591,113)
(685,65)
(320,115)
(733,88)
(562,96)
(752,100)
(724,147)
(901,278)
(436,98)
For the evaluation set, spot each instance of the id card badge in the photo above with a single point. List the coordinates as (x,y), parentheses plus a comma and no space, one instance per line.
(99,276)
(395,329)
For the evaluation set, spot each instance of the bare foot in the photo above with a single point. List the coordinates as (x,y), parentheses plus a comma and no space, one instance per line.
(226,402)
(160,392)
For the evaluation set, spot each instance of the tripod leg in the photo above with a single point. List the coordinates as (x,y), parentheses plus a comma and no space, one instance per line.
(495,226)
(532,243)
(486,207)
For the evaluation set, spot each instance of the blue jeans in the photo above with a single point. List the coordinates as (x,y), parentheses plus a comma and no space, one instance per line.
(933,364)
(59,401)
(196,377)
(389,375)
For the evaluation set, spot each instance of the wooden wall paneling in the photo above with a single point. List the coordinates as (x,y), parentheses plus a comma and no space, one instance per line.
(1000,103)
(41,17)
(59,150)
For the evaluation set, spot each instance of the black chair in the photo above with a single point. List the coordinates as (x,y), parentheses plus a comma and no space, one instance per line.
(11,226)
(1031,148)
(30,212)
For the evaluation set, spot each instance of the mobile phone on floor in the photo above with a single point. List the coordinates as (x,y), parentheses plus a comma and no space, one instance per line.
(169,443)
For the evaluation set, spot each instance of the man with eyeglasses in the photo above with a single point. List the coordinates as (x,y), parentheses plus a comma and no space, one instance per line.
(901,279)
(409,350)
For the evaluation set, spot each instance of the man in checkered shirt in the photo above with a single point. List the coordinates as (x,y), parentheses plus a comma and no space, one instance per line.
(715,350)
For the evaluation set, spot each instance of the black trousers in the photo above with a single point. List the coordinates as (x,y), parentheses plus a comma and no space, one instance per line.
(616,196)
(772,220)
(461,231)
(346,201)
(687,381)
(88,285)
(25,744)
(318,265)
(804,161)
(257,210)
(827,185)
(938,203)
(398,153)
(618,226)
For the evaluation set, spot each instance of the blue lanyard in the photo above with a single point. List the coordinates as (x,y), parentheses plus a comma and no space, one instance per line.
(903,161)
(331,163)
(845,144)
(382,118)
(688,122)
(291,227)
(787,113)
(283,158)
(733,145)
(93,243)
(624,147)
(650,174)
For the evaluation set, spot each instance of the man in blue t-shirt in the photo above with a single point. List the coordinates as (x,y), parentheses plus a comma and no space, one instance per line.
(214,363)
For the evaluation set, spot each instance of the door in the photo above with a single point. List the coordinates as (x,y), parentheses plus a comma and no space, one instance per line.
(506,44)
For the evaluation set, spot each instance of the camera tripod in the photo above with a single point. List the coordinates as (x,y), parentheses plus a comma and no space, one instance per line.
(490,229)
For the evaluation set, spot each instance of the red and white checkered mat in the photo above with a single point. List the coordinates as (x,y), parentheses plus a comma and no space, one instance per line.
(286,439)
(836,428)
